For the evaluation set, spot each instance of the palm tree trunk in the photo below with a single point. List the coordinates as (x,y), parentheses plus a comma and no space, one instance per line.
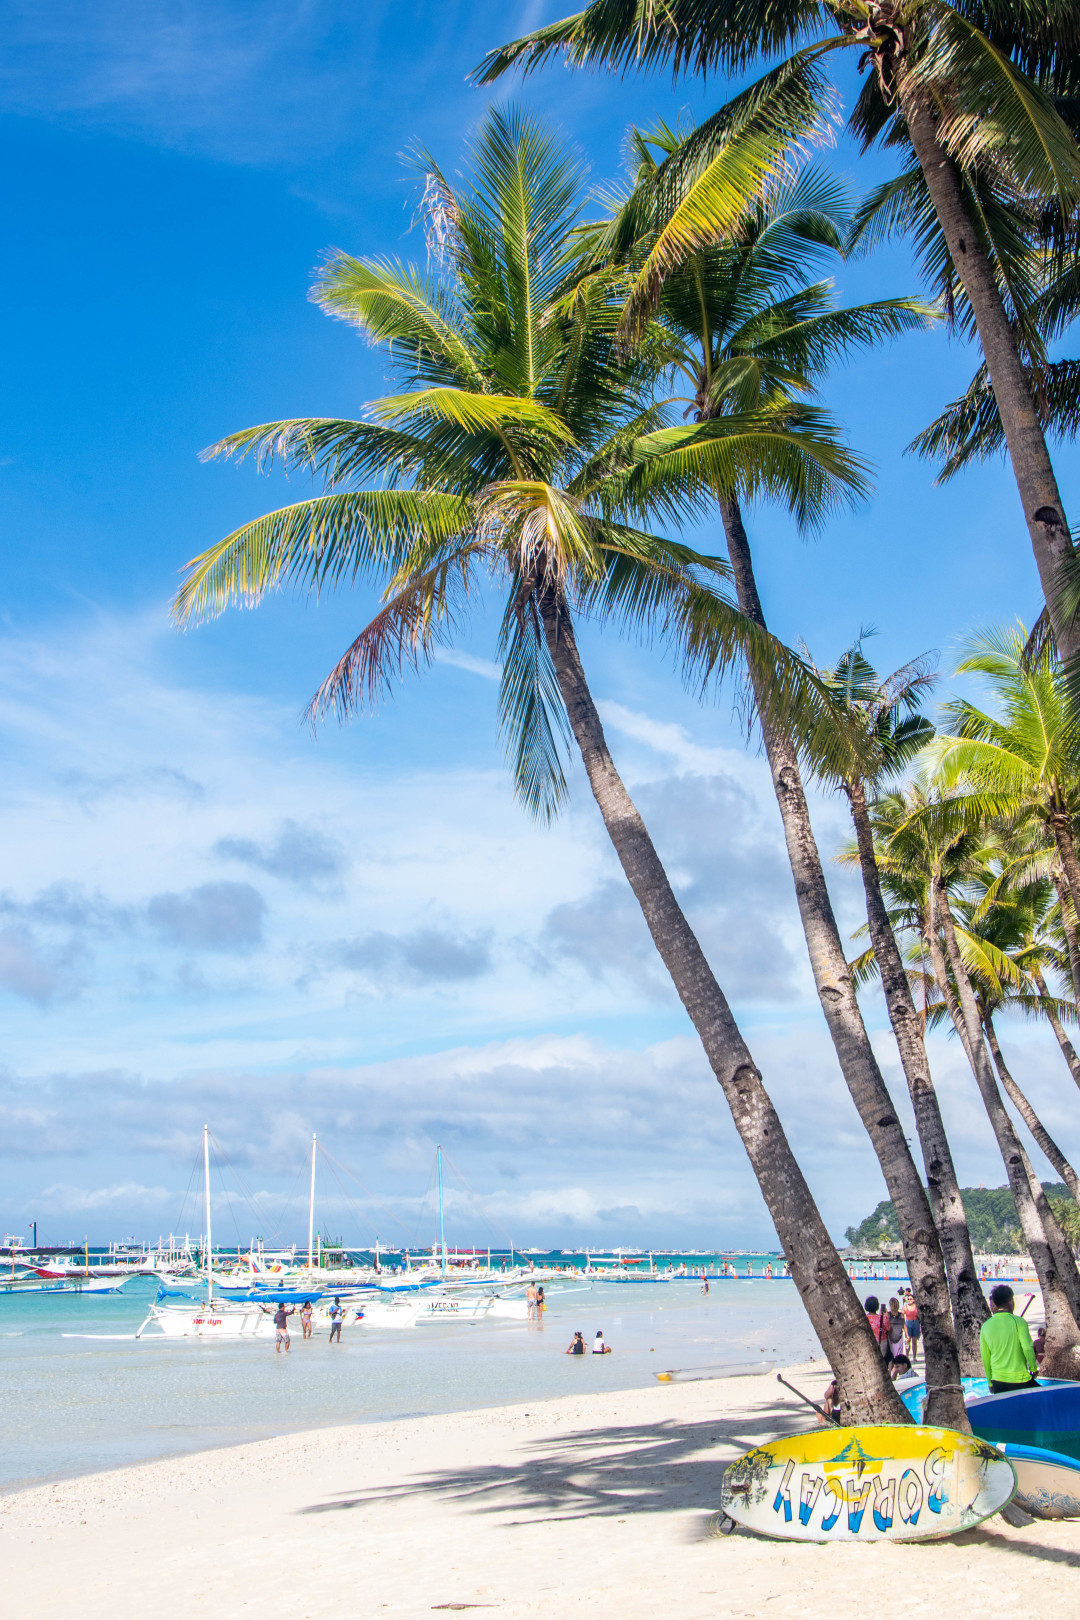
(1068,1050)
(1064,1258)
(1043,1140)
(836,992)
(819,1274)
(1062,1333)
(1070,868)
(969,1306)
(1044,511)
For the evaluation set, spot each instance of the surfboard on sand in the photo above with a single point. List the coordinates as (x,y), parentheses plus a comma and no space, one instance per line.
(1047,1483)
(887,1482)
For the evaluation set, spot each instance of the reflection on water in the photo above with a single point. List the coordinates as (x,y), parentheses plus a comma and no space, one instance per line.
(103,1399)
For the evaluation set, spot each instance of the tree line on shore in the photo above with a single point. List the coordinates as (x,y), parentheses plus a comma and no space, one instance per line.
(991,1218)
(583,375)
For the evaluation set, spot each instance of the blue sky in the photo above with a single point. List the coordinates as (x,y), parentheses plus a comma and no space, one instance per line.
(207,912)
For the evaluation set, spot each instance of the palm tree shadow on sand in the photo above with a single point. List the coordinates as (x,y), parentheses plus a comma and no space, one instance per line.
(619,1469)
(603,1472)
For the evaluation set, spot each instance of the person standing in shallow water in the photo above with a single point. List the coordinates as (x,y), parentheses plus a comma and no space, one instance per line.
(281,1325)
(337,1316)
(305,1318)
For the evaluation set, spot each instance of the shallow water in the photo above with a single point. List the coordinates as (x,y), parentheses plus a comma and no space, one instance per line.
(74,1405)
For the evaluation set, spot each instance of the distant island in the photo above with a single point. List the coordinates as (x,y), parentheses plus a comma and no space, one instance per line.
(991,1215)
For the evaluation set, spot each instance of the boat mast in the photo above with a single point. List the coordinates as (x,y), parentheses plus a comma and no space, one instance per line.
(311,1207)
(206,1189)
(442,1225)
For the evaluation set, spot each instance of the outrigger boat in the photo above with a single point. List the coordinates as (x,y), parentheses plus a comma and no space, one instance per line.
(73,1284)
(230,1320)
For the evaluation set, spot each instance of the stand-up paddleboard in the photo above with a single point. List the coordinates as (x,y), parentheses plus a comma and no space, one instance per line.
(1047,1484)
(887,1482)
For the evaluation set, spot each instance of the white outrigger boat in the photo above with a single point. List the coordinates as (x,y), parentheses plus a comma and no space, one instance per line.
(228,1320)
(74,1284)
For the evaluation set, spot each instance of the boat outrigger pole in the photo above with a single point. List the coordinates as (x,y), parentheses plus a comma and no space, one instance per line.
(311,1206)
(442,1224)
(206,1190)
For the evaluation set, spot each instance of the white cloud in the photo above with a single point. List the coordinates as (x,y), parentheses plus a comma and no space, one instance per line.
(667,738)
(484,667)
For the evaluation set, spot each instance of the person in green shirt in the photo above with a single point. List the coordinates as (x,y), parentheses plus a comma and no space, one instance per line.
(1008,1355)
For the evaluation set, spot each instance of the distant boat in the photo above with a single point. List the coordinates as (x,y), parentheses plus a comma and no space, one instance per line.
(80,1284)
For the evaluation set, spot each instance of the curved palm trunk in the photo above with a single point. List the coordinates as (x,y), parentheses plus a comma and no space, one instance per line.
(1070,867)
(1064,1258)
(1068,1050)
(1044,511)
(969,1306)
(836,992)
(1062,1333)
(1044,1141)
(819,1274)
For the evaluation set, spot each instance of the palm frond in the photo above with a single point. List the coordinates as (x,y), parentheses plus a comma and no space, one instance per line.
(403,634)
(399,306)
(316,545)
(793,455)
(532,716)
(993,107)
(333,448)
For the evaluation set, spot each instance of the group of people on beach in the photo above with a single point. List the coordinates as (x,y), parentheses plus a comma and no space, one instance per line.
(1011,1358)
(897,1330)
(281,1322)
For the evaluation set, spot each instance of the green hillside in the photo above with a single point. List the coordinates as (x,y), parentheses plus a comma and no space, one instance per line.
(991,1214)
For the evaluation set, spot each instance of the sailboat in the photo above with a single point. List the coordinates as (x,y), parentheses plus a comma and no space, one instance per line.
(437,1295)
(222,1320)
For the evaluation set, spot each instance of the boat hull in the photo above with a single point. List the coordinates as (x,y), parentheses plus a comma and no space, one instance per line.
(66,1285)
(1047,1418)
(208,1323)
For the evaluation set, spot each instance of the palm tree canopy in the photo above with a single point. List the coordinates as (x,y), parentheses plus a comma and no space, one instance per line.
(527,450)
(998,78)
(1022,761)
(991,68)
(885,730)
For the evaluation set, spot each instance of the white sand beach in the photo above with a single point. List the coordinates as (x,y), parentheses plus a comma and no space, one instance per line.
(583,1505)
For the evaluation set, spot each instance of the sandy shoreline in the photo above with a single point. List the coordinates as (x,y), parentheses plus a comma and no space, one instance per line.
(585,1504)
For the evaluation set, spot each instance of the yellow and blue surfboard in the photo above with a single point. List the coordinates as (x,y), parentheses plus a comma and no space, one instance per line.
(891,1482)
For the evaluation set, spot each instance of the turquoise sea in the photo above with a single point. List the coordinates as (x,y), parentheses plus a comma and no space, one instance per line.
(81,1393)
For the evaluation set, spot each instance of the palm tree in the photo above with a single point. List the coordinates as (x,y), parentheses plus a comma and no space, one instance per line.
(921,856)
(518,458)
(996,932)
(1025,764)
(750,331)
(966,88)
(890,731)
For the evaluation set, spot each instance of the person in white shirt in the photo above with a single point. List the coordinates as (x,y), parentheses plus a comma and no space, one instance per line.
(599,1347)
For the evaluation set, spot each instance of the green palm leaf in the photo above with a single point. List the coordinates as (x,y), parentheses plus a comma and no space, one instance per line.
(315,545)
